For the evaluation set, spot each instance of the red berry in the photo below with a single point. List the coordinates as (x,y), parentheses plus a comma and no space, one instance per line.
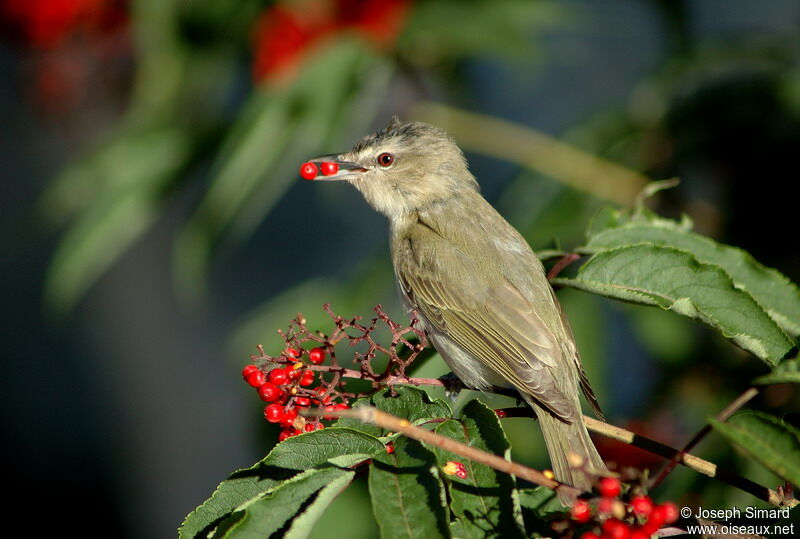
(340,406)
(317,355)
(308,171)
(274,413)
(671,513)
(302,401)
(256,378)
(278,376)
(293,353)
(390,447)
(609,487)
(642,505)
(639,534)
(288,417)
(284,434)
(500,413)
(581,512)
(269,392)
(329,168)
(248,370)
(307,378)
(294,374)
(657,516)
(615,529)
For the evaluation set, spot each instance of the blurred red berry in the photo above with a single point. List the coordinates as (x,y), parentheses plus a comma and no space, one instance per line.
(671,512)
(500,413)
(317,355)
(256,378)
(390,447)
(278,376)
(47,23)
(302,401)
(638,534)
(274,413)
(580,511)
(609,487)
(308,171)
(284,434)
(590,535)
(269,392)
(642,505)
(615,529)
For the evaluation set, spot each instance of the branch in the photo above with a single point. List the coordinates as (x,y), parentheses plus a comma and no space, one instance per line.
(371,415)
(723,416)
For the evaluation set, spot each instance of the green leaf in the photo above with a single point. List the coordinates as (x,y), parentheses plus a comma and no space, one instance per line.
(123,185)
(675,280)
(344,447)
(772,290)
(409,403)
(407,494)
(787,372)
(766,439)
(539,506)
(296,504)
(486,502)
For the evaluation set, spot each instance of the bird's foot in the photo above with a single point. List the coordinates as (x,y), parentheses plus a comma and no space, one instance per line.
(452,385)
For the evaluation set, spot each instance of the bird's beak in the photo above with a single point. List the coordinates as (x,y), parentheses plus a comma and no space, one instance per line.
(345,169)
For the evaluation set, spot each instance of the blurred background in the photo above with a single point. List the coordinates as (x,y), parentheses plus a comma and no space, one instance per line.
(155,230)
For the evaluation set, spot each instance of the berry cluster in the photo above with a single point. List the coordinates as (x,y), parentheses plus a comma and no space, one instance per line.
(287,389)
(612,518)
(307,373)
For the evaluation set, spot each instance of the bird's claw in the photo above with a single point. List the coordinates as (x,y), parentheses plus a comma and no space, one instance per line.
(452,385)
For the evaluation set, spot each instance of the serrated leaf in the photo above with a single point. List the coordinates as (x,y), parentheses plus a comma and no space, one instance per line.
(787,372)
(486,502)
(409,403)
(407,495)
(675,280)
(766,439)
(295,504)
(287,459)
(772,290)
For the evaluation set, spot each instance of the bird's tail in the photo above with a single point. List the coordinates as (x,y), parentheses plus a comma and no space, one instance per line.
(563,438)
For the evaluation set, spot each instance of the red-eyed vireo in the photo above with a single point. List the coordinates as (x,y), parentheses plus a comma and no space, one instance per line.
(479,289)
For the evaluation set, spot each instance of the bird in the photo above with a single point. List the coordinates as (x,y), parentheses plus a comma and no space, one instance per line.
(478,289)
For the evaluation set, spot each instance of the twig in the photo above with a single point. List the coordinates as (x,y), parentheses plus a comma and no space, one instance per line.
(778,499)
(371,415)
(723,416)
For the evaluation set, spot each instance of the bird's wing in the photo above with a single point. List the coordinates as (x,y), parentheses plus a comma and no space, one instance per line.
(498,325)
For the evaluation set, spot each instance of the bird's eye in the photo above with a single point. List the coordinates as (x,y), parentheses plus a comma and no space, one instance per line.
(385,159)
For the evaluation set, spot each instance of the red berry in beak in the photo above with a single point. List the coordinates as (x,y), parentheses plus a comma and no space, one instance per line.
(308,171)
(329,168)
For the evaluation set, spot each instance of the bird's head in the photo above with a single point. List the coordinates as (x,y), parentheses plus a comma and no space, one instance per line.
(403,168)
